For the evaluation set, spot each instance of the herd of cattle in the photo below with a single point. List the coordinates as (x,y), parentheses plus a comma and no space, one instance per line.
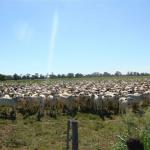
(102,96)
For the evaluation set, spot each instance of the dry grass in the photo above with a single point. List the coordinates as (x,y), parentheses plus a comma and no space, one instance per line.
(50,133)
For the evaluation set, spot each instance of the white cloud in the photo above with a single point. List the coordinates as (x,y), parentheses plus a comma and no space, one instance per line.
(54,30)
(23,31)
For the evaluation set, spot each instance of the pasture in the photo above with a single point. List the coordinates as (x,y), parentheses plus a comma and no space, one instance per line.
(94,96)
(50,133)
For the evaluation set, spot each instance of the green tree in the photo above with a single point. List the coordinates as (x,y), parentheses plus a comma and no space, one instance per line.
(2,77)
(78,75)
(118,73)
(16,77)
(70,75)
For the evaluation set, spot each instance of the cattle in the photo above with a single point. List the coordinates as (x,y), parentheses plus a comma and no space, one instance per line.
(32,104)
(146,98)
(123,105)
(134,101)
(111,96)
(51,105)
(85,102)
(7,102)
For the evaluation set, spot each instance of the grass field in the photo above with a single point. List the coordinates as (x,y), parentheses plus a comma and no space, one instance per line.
(50,133)
(72,80)
(94,133)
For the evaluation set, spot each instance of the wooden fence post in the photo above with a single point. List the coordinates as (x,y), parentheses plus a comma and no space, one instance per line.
(74,125)
(74,135)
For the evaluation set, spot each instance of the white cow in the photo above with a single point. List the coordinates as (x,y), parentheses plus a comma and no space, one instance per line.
(32,104)
(97,102)
(146,98)
(51,103)
(110,101)
(134,101)
(85,101)
(67,102)
(123,105)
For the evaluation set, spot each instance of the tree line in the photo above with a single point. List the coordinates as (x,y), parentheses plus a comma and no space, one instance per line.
(69,75)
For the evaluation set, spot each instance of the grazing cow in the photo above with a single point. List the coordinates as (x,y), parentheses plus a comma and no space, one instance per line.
(110,102)
(51,105)
(85,102)
(42,99)
(29,105)
(134,101)
(123,104)
(67,102)
(97,103)
(8,102)
(146,98)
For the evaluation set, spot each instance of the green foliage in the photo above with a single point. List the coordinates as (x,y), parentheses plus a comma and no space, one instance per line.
(78,75)
(93,76)
(2,77)
(14,142)
(120,145)
(137,127)
(16,77)
(70,75)
(145,138)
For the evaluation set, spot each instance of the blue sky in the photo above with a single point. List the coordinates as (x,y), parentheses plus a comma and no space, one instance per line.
(84,36)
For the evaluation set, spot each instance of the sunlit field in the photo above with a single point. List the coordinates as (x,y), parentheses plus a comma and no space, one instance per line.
(95,132)
(74,75)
